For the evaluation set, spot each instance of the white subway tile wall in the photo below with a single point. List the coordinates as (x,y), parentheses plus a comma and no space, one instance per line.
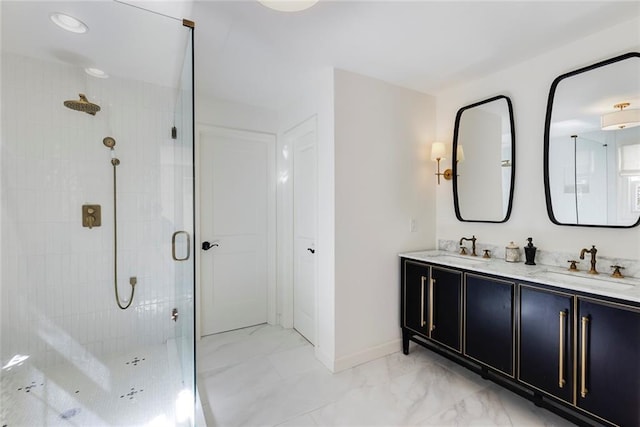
(58,300)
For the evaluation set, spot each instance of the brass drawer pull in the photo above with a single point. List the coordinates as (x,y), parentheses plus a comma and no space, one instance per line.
(422,323)
(561,380)
(583,358)
(432,285)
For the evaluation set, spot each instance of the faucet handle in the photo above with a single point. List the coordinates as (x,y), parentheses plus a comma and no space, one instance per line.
(616,271)
(487,253)
(463,250)
(573,266)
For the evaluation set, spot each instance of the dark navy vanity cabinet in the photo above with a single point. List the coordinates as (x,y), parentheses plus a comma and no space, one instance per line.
(572,352)
(608,362)
(431,304)
(546,341)
(447,314)
(489,330)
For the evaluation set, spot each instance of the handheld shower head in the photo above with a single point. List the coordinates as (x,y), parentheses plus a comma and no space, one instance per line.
(109,142)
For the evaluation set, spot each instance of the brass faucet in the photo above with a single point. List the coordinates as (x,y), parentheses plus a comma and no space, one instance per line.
(591,251)
(473,244)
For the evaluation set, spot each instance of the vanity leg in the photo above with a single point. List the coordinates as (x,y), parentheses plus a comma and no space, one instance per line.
(484,373)
(405,342)
(537,399)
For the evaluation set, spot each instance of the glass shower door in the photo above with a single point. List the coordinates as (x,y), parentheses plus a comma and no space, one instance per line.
(183,236)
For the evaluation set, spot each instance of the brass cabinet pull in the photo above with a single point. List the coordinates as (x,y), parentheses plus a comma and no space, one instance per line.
(432,285)
(561,380)
(583,358)
(173,246)
(422,301)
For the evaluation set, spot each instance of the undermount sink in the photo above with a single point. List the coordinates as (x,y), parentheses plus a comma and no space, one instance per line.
(461,259)
(599,282)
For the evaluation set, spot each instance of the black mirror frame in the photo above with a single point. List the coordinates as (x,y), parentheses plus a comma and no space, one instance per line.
(547,127)
(454,162)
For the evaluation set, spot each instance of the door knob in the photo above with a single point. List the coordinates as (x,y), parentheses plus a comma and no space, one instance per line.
(313,251)
(208,245)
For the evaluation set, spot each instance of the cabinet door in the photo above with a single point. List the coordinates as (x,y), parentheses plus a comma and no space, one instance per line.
(546,322)
(445,316)
(609,361)
(415,282)
(489,322)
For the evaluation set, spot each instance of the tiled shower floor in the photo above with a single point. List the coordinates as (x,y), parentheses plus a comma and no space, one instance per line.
(135,389)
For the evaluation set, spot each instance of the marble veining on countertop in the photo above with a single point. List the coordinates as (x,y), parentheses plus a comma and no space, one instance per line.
(627,288)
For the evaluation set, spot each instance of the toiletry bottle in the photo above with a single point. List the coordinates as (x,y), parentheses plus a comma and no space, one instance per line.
(530,252)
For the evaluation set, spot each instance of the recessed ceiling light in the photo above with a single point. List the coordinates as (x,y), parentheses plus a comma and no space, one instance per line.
(96,72)
(69,23)
(288,5)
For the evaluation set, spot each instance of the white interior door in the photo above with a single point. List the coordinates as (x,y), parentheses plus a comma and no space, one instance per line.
(237,190)
(303,140)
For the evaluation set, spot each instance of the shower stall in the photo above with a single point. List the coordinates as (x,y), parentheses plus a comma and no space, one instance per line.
(97,276)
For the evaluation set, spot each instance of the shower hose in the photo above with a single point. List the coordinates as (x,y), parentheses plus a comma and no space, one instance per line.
(132,281)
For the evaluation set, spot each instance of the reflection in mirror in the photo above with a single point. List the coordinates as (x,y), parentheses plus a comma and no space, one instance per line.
(484,161)
(592,145)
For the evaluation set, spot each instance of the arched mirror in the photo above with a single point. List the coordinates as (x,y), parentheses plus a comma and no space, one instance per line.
(484,161)
(592,145)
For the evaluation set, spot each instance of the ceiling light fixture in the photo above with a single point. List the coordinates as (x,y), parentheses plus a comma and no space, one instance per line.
(620,119)
(288,5)
(96,72)
(69,23)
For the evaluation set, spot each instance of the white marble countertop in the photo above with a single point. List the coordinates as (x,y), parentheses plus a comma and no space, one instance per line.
(627,288)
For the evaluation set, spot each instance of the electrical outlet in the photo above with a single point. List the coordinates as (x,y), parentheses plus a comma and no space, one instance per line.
(412,225)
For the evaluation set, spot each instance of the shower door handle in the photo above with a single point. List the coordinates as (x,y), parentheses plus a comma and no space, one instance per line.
(173,245)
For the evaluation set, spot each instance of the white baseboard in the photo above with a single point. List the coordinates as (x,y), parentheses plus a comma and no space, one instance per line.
(368,355)
(325,359)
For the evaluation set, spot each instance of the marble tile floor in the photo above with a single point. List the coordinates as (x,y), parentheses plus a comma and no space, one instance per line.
(268,376)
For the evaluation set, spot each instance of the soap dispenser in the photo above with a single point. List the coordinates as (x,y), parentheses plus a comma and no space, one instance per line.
(530,252)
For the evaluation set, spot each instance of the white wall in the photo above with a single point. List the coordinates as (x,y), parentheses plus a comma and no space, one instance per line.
(383,178)
(317,101)
(216,112)
(528,86)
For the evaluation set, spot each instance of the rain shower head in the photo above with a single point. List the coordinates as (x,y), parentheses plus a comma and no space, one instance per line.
(109,142)
(83,105)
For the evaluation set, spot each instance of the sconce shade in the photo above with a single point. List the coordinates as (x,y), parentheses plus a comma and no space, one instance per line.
(620,119)
(459,154)
(438,151)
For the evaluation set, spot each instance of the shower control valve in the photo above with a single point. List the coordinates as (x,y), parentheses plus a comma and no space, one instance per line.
(91,216)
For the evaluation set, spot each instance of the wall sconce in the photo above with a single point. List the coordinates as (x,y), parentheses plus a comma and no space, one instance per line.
(438,151)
